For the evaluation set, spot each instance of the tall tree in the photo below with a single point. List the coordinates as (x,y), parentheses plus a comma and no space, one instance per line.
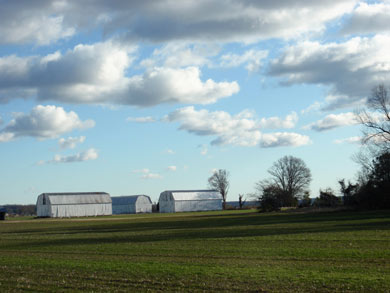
(375,119)
(220,181)
(291,175)
(381,172)
(374,193)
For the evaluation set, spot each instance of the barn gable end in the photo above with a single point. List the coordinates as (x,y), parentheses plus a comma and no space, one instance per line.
(131,204)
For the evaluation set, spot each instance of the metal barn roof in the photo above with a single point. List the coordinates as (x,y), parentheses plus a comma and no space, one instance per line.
(127,199)
(195,194)
(78,198)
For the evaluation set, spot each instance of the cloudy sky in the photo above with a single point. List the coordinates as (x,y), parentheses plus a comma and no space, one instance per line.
(134,97)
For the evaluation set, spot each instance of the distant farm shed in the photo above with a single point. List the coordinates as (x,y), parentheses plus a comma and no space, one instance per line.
(131,204)
(81,204)
(172,201)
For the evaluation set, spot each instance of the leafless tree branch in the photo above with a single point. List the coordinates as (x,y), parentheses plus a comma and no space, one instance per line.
(375,119)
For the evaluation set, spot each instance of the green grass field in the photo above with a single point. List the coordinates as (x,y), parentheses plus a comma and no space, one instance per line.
(213,251)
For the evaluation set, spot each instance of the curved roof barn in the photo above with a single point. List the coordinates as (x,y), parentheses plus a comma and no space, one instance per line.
(131,204)
(171,201)
(76,204)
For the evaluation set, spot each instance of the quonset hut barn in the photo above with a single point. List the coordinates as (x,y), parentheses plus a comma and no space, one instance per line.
(131,204)
(172,201)
(82,204)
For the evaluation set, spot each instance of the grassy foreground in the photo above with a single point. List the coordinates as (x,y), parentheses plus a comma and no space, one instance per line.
(214,251)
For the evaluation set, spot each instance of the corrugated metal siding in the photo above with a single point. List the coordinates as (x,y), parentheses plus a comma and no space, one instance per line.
(123,209)
(84,210)
(198,205)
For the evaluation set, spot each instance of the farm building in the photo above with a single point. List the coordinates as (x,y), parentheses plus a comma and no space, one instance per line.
(81,204)
(189,200)
(131,204)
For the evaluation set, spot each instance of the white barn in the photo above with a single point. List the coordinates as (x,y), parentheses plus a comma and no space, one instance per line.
(172,201)
(131,204)
(81,204)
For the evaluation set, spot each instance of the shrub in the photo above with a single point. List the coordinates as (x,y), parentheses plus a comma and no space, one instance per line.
(327,199)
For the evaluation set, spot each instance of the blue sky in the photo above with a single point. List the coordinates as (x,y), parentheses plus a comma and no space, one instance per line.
(133,97)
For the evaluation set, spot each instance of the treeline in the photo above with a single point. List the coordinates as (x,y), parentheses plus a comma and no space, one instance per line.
(373,190)
(21,210)
(290,177)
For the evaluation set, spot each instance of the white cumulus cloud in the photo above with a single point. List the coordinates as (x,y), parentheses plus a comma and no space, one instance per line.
(234,21)
(175,55)
(43,122)
(241,129)
(147,119)
(96,74)
(44,22)
(172,168)
(70,142)
(151,176)
(352,140)
(252,59)
(6,136)
(337,65)
(228,129)
(175,85)
(90,154)
(33,22)
(277,122)
(332,121)
(283,139)
(368,18)
(147,174)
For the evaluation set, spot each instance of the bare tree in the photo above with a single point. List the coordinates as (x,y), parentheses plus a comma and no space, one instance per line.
(364,158)
(241,201)
(375,119)
(290,175)
(220,181)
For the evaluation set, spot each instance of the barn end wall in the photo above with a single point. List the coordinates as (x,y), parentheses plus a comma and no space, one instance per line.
(165,202)
(166,206)
(131,204)
(143,205)
(43,210)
